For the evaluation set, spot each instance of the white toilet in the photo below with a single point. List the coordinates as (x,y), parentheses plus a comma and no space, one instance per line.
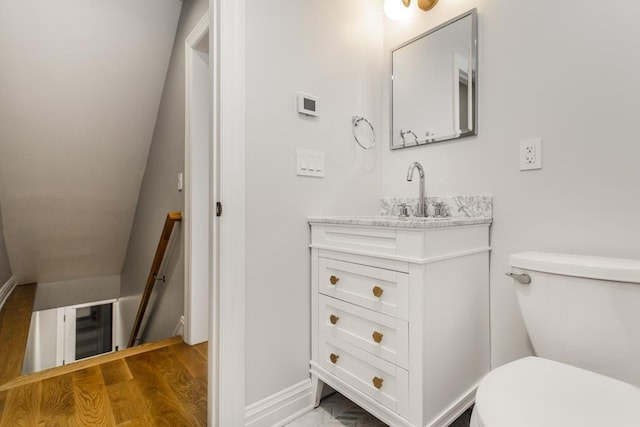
(582,314)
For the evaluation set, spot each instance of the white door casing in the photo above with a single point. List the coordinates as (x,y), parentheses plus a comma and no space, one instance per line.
(197,182)
(227,297)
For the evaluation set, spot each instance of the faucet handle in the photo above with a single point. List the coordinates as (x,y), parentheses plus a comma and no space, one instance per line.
(403,211)
(440,210)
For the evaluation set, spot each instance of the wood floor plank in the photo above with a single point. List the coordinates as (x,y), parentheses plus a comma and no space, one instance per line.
(91,402)
(166,386)
(194,395)
(202,348)
(127,401)
(57,401)
(187,390)
(15,321)
(83,364)
(115,372)
(192,359)
(60,421)
(144,421)
(163,403)
(3,399)
(22,407)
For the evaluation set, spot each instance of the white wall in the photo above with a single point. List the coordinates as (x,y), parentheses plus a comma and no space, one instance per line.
(77,291)
(45,345)
(159,195)
(331,49)
(81,82)
(568,74)
(5,268)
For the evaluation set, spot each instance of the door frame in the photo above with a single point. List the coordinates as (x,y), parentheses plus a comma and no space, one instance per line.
(197,173)
(227,299)
(226,304)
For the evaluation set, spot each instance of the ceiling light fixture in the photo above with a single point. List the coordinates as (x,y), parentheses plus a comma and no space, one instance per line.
(399,9)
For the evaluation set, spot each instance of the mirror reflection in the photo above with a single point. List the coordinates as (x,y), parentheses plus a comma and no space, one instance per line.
(434,85)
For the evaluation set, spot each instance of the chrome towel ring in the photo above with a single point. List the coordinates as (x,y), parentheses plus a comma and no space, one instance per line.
(355,121)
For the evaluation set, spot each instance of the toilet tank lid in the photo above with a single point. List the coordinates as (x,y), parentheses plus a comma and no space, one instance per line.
(592,267)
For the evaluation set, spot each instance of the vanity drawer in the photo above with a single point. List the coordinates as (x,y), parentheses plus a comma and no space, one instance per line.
(375,333)
(384,291)
(384,382)
(369,240)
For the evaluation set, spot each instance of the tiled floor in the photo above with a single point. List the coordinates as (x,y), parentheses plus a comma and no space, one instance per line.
(337,410)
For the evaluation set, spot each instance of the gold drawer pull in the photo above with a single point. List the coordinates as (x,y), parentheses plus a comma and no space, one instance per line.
(377,291)
(333,319)
(334,280)
(377,382)
(334,358)
(377,336)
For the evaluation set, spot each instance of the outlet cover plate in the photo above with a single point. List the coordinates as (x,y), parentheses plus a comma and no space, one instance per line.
(531,154)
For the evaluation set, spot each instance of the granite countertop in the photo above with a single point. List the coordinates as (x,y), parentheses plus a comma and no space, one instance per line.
(397,222)
(459,210)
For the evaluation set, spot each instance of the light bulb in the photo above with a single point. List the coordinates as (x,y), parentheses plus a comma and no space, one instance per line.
(395,10)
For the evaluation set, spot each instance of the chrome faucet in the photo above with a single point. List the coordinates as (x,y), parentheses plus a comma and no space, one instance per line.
(422,211)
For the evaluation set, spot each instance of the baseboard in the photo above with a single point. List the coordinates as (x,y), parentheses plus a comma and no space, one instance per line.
(451,413)
(179,330)
(6,290)
(281,407)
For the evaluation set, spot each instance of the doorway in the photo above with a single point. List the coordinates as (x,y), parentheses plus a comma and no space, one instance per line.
(59,336)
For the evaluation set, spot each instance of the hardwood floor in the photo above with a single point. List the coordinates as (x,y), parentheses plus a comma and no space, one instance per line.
(15,319)
(162,384)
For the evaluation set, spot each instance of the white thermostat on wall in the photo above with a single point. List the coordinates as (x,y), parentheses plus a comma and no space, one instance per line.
(307,104)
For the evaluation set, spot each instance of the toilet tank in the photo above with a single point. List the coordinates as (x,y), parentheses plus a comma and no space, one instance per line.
(582,310)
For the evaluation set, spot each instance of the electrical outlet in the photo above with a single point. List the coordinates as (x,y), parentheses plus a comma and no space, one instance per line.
(531,154)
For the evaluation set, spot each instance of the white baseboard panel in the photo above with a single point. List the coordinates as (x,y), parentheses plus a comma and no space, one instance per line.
(179,330)
(281,407)
(6,289)
(450,414)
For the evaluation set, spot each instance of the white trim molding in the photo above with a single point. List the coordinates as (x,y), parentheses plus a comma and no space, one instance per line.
(199,30)
(179,330)
(197,192)
(282,407)
(227,296)
(6,289)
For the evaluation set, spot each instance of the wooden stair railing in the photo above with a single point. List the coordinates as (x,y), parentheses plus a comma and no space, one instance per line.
(172,218)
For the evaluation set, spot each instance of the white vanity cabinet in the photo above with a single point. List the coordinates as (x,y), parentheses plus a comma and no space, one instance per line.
(400,314)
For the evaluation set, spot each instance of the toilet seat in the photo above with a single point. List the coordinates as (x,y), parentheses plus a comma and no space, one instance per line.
(537,392)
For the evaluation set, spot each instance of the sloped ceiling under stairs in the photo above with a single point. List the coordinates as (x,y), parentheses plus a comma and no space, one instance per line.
(80,86)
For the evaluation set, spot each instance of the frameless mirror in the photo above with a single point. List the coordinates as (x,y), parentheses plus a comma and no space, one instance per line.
(434,84)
